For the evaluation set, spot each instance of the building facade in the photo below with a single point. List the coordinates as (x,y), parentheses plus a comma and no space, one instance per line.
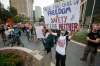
(38,13)
(58,0)
(1,5)
(61,0)
(24,7)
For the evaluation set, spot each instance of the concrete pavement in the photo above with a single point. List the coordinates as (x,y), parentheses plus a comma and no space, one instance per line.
(73,52)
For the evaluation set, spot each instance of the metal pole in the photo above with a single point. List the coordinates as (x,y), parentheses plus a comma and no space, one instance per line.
(84,10)
(92,13)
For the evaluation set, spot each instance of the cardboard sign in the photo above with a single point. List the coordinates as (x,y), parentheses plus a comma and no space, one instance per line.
(39,32)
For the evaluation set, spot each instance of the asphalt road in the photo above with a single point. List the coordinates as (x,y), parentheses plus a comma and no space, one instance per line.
(73,51)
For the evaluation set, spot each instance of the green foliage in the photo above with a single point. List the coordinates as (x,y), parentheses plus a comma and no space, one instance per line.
(80,37)
(12,11)
(5,14)
(96,20)
(20,18)
(17,19)
(26,19)
(9,59)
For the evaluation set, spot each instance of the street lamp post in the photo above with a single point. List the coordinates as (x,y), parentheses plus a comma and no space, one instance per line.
(84,10)
(92,13)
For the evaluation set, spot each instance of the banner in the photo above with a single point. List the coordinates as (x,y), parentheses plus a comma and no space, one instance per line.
(63,15)
(39,32)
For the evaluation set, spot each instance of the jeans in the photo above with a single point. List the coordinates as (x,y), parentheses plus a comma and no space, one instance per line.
(60,59)
(92,50)
(44,42)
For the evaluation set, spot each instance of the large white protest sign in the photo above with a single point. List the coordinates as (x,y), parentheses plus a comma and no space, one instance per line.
(63,15)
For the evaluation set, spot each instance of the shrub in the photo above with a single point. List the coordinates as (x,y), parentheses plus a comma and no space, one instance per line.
(80,37)
(9,59)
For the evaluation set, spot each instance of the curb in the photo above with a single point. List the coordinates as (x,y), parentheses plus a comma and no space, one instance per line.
(81,44)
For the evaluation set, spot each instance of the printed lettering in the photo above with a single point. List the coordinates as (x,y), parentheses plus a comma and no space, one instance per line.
(57,11)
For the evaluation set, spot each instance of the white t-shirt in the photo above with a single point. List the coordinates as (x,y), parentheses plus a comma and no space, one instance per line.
(61,45)
(8,32)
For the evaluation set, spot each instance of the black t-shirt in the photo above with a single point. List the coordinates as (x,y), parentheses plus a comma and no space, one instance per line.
(93,36)
(66,33)
(98,33)
(2,30)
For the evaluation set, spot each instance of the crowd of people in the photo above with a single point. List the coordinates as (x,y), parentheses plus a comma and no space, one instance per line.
(11,34)
(58,38)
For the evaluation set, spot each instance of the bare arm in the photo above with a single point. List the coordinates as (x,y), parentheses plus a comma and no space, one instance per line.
(55,34)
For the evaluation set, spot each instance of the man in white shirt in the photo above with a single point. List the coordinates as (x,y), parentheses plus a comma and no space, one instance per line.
(9,31)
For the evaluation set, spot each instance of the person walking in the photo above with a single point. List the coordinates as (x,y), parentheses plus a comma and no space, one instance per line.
(93,40)
(2,33)
(17,35)
(49,40)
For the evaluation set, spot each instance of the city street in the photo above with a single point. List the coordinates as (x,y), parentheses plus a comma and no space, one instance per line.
(28,20)
(73,52)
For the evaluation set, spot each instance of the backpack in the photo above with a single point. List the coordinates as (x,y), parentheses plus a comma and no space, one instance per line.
(16,33)
(50,41)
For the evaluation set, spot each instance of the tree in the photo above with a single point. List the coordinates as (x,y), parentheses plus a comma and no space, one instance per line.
(5,14)
(13,11)
(17,19)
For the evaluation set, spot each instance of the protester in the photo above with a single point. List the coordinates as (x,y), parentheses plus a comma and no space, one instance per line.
(27,30)
(30,28)
(43,39)
(93,40)
(16,35)
(50,36)
(2,33)
(9,31)
(61,45)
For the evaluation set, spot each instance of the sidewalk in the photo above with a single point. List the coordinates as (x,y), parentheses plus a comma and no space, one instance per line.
(33,45)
